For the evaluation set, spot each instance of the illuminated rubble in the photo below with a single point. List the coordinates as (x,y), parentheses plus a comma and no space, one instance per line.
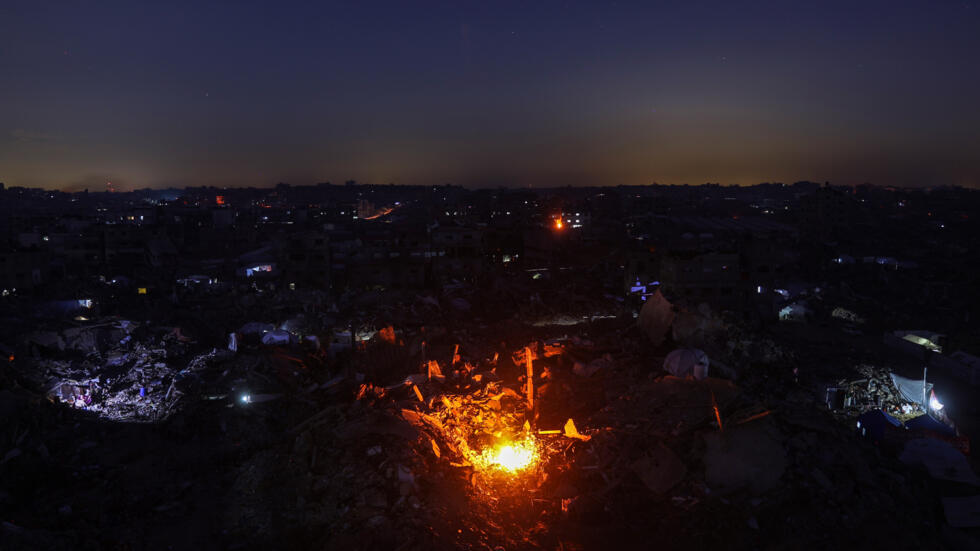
(416,426)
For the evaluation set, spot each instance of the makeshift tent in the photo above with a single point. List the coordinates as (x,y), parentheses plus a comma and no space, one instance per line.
(298,324)
(910,389)
(926,339)
(874,424)
(796,311)
(926,423)
(685,362)
(276,338)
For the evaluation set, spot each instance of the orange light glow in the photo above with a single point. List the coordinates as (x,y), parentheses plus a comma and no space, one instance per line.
(512,457)
(558,224)
(219,199)
(383,212)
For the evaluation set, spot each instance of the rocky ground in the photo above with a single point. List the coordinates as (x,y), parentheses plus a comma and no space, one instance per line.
(183,444)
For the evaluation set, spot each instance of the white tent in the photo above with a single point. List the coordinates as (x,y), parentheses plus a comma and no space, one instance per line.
(796,311)
(277,338)
(685,362)
(911,389)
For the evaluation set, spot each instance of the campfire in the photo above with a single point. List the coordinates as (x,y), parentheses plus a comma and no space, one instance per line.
(512,457)
(487,429)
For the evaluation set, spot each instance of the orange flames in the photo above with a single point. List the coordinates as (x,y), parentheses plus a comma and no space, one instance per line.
(512,457)
(490,429)
(484,430)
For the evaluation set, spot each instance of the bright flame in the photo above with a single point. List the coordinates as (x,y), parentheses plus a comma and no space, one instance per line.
(512,457)
(558,224)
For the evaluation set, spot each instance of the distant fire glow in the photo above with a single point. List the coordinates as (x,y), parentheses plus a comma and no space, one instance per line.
(558,224)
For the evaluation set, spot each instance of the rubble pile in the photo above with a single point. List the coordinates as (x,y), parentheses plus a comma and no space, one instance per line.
(849,316)
(121,376)
(873,390)
(667,454)
(137,386)
(463,428)
(746,348)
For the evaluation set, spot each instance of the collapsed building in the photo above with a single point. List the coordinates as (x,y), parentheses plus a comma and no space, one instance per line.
(420,422)
(291,378)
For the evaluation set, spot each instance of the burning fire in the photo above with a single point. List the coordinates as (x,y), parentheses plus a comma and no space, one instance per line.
(511,457)
(558,224)
(487,437)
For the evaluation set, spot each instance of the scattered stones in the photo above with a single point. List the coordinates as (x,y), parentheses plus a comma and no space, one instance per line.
(363,446)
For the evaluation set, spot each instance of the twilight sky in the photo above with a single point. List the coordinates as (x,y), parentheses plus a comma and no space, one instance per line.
(488,92)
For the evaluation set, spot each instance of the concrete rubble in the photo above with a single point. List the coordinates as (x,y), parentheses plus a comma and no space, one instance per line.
(364,436)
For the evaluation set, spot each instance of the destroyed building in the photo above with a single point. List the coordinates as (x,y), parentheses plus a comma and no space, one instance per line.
(321,381)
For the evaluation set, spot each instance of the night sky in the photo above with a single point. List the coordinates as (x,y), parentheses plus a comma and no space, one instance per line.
(488,93)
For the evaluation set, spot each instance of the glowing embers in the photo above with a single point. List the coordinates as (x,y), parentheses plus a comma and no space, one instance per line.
(487,430)
(512,457)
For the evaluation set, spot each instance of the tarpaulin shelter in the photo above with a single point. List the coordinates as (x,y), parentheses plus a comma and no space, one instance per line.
(910,389)
(925,423)
(874,424)
(685,362)
(277,338)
